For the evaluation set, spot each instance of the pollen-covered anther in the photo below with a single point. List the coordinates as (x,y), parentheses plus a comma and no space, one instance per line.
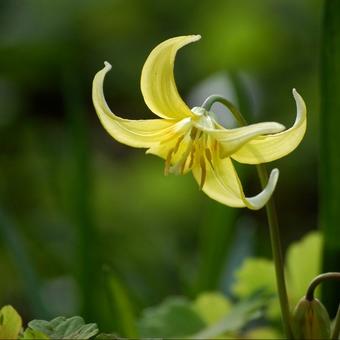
(209,157)
(178,143)
(203,172)
(192,156)
(193,133)
(168,162)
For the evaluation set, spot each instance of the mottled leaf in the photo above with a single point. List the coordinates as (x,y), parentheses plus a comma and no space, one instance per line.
(31,334)
(65,328)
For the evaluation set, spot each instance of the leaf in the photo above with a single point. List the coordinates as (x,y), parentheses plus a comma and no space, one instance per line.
(211,306)
(31,334)
(303,263)
(63,328)
(10,323)
(255,274)
(175,317)
(238,317)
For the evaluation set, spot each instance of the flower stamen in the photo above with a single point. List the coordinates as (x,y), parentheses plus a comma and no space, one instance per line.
(168,162)
(192,156)
(209,157)
(203,172)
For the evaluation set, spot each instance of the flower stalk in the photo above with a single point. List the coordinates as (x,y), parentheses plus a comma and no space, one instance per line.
(319,279)
(272,222)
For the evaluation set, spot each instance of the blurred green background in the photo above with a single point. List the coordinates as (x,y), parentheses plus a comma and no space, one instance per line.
(76,206)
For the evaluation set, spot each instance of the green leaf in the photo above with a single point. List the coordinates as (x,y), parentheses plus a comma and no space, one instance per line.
(175,317)
(63,328)
(31,334)
(303,263)
(239,315)
(255,274)
(211,306)
(10,323)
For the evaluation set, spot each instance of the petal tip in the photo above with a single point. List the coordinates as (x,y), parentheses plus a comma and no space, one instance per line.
(296,94)
(107,66)
(274,176)
(196,37)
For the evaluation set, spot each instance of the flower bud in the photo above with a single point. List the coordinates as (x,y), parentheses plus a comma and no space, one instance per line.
(311,320)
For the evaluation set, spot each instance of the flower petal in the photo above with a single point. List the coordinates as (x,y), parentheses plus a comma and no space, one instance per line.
(232,139)
(223,185)
(136,133)
(271,147)
(157,82)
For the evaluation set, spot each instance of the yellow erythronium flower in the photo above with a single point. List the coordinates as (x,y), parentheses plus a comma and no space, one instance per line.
(192,139)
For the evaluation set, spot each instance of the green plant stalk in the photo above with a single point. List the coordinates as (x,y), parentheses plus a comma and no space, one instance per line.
(272,221)
(329,148)
(277,254)
(319,279)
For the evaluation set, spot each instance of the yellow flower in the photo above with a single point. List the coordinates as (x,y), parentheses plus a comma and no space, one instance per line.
(192,139)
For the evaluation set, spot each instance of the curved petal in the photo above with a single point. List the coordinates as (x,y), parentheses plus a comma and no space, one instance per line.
(231,140)
(223,185)
(137,133)
(157,82)
(271,147)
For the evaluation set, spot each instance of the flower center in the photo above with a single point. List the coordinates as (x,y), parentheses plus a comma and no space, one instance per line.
(203,119)
(194,147)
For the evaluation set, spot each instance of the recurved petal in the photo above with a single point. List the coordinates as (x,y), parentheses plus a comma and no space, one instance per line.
(271,147)
(136,133)
(231,140)
(157,82)
(223,185)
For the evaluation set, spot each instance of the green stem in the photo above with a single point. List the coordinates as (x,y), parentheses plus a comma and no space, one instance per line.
(336,329)
(319,279)
(272,221)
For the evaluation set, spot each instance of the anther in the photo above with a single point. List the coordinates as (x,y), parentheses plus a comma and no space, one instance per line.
(209,157)
(168,162)
(193,133)
(192,156)
(178,144)
(203,172)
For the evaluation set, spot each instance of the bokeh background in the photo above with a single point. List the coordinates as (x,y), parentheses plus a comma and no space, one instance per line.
(76,205)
